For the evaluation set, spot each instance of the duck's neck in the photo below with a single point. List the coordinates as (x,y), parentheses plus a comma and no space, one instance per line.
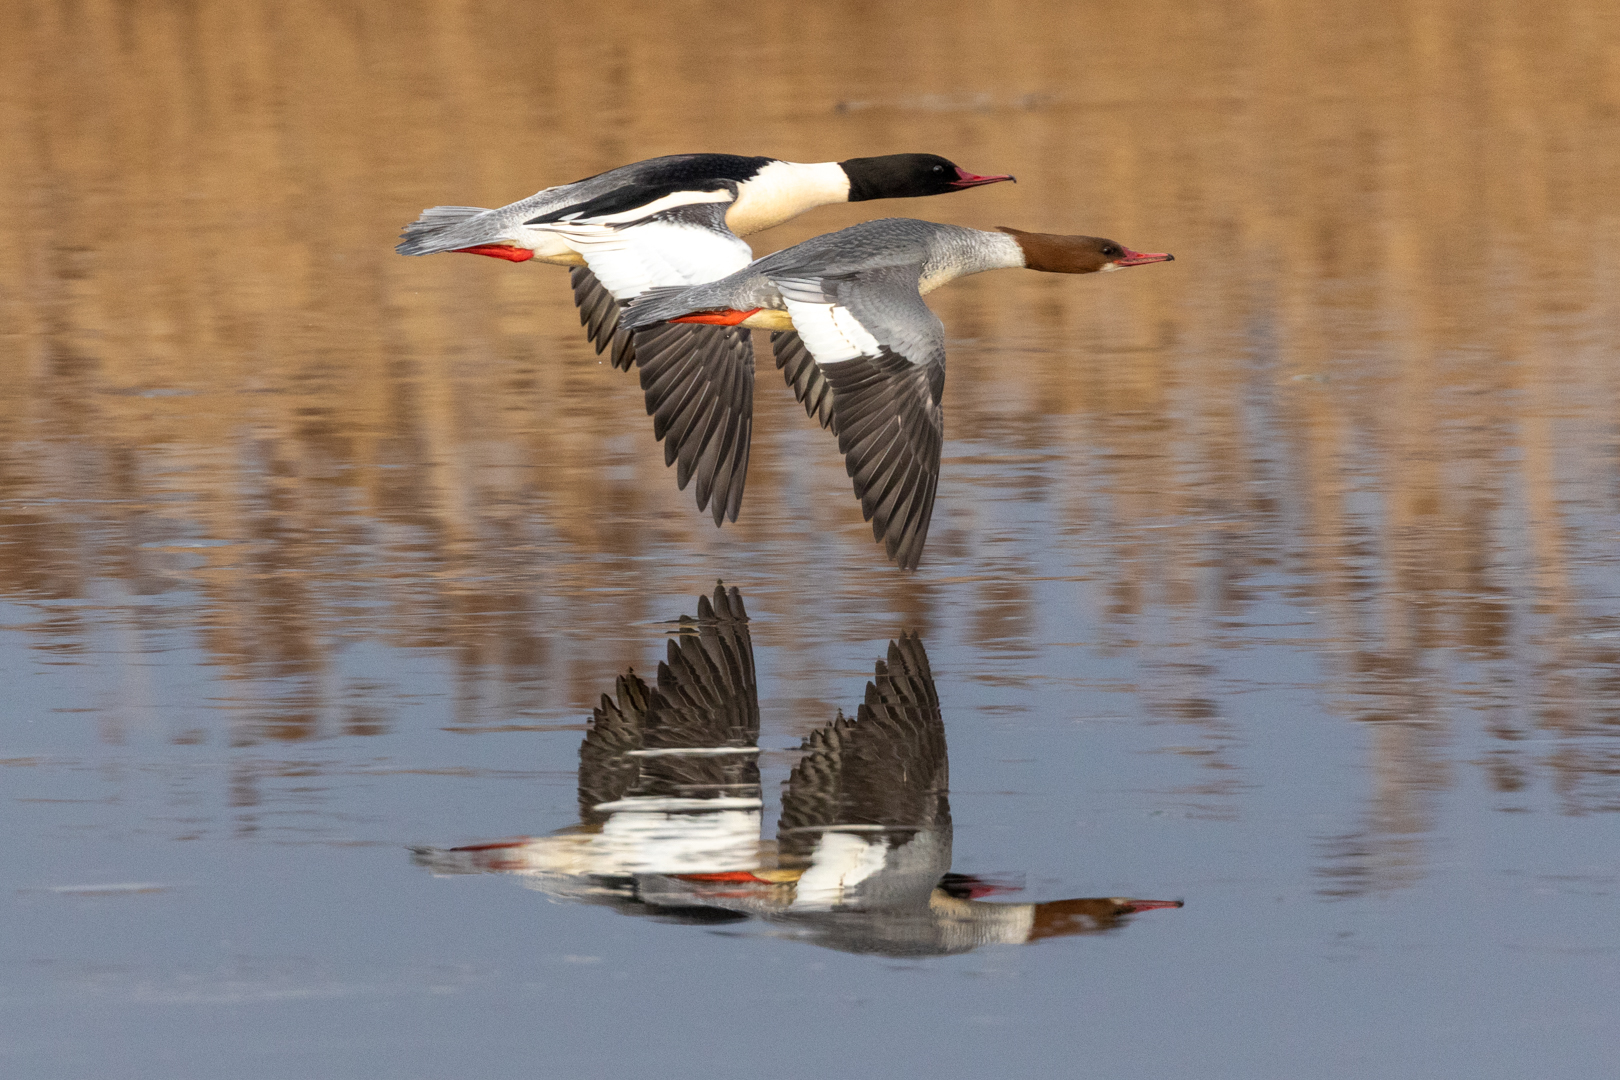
(784,190)
(957,252)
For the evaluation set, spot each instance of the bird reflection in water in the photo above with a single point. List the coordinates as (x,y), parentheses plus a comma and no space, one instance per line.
(670,811)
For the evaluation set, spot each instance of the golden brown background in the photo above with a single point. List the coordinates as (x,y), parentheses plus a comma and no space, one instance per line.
(1379,381)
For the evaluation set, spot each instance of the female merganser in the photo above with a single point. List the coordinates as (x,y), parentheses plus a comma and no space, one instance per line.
(671,221)
(862,351)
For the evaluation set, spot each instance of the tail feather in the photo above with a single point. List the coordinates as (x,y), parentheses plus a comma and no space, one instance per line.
(444,228)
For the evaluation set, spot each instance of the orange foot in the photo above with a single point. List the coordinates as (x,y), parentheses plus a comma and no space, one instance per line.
(717,318)
(500,251)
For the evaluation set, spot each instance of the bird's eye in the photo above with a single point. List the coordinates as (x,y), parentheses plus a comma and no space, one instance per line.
(1111,250)
(939,168)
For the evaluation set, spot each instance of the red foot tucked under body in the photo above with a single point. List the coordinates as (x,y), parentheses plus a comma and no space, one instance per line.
(500,251)
(1151,905)
(733,875)
(717,318)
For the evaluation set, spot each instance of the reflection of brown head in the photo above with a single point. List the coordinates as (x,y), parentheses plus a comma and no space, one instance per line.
(1087,915)
(1077,254)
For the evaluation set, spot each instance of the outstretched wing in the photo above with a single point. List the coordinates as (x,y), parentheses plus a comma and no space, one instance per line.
(882,352)
(699,386)
(599,315)
(885,769)
(698,380)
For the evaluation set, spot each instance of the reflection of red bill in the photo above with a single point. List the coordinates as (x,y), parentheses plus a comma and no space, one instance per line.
(1134,906)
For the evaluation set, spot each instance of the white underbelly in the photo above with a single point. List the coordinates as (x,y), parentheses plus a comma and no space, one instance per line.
(548,247)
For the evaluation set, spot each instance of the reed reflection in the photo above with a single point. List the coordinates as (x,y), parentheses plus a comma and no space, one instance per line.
(670,807)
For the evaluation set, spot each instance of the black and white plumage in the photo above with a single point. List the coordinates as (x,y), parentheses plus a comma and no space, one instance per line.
(863,352)
(676,221)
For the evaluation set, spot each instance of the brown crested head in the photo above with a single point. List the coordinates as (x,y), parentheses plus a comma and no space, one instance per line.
(1077,254)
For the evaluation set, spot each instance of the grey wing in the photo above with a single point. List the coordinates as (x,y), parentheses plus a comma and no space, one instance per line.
(698,379)
(804,377)
(883,353)
(888,767)
(599,315)
(607,772)
(707,700)
(699,387)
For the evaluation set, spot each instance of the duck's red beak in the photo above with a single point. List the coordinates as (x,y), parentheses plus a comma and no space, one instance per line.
(1141,258)
(967,179)
(500,251)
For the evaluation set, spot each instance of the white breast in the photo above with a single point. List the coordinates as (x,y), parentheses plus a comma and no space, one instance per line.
(783,190)
(628,262)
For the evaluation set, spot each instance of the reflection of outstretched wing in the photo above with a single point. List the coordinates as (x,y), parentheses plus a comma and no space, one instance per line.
(886,768)
(704,700)
(606,771)
(706,695)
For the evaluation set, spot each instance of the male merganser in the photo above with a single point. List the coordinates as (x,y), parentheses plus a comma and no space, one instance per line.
(863,352)
(672,221)
(670,811)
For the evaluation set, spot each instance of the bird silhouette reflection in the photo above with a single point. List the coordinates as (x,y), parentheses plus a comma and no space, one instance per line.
(670,810)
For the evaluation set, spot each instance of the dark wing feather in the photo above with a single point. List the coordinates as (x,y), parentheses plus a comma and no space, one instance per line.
(887,767)
(699,385)
(891,431)
(804,376)
(606,772)
(706,698)
(698,379)
(886,406)
(599,314)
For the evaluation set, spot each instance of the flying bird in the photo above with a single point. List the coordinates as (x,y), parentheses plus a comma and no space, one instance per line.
(677,221)
(861,350)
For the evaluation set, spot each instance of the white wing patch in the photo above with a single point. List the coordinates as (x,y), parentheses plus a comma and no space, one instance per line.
(628,262)
(830,332)
(838,865)
(657,206)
